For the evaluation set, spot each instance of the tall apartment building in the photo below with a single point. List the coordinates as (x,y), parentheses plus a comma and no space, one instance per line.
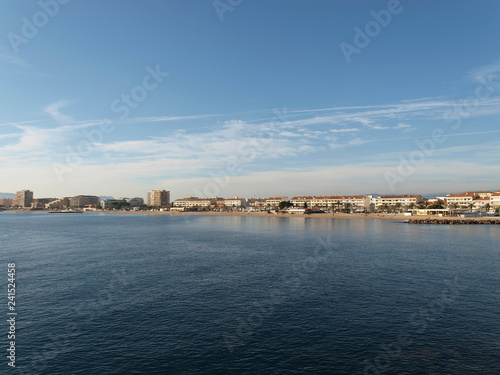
(24,198)
(158,198)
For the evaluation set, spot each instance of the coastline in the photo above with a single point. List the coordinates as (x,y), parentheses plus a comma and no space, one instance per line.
(395,217)
(262,214)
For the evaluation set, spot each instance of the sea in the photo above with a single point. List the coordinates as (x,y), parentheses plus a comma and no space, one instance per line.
(184,294)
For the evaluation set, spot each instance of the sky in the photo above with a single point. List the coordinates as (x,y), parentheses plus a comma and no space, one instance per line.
(249,98)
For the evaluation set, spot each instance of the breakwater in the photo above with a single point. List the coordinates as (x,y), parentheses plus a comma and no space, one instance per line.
(456,221)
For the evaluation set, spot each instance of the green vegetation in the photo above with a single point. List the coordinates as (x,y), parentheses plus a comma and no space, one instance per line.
(284,204)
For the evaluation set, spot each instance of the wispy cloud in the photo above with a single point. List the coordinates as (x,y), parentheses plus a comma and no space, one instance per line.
(9,58)
(53,110)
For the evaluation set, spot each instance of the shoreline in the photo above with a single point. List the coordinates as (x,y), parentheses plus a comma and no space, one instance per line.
(398,217)
(262,214)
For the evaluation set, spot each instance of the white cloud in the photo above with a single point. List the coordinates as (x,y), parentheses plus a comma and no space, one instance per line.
(53,110)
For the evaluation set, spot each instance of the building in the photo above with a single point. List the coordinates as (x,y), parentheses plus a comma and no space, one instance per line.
(6,202)
(41,203)
(461,200)
(194,202)
(58,204)
(24,198)
(275,201)
(495,200)
(482,194)
(235,202)
(110,202)
(398,200)
(81,201)
(138,202)
(158,198)
(352,202)
(480,204)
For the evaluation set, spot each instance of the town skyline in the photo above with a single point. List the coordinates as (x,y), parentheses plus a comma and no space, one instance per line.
(327,106)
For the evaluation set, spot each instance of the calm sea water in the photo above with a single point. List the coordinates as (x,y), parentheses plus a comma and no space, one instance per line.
(139,294)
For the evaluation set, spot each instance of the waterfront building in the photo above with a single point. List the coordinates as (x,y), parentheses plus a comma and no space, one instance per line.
(482,194)
(495,200)
(41,202)
(24,198)
(137,202)
(352,202)
(235,202)
(58,204)
(398,200)
(6,202)
(275,201)
(110,202)
(81,201)
(461,200)
(195,202)
(481,203)
(158,198)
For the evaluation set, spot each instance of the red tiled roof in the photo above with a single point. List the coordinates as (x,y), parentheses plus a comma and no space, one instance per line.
(461,195)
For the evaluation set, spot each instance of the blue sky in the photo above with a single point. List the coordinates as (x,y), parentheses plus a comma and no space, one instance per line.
(254,98)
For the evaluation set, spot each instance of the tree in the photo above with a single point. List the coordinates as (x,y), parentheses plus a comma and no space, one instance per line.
(435,207)
(305,205)
(284,204)
(487,207)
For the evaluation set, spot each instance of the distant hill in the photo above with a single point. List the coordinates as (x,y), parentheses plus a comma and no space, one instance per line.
(106,197)
(7,195)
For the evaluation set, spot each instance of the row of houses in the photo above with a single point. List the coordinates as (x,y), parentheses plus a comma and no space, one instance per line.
(363,203)
(471,200)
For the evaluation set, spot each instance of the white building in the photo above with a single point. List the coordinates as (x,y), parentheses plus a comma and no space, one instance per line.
(480,203)
(193,202)
(395,200)
(235,202)
(354,202)
(495,200)
(461,200)
(275,201)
